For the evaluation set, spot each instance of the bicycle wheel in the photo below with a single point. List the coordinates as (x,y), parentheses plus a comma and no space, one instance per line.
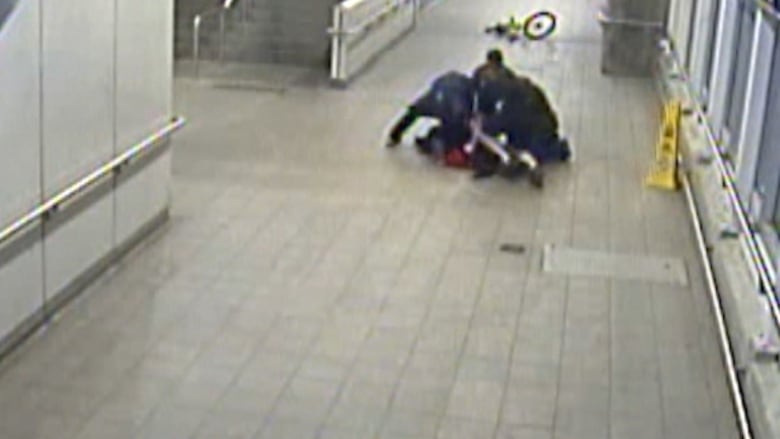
(540,25)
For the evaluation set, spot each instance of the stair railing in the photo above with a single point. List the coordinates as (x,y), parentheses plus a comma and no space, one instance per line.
(197,22)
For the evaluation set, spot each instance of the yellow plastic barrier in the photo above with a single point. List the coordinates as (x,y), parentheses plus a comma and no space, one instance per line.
(663,174)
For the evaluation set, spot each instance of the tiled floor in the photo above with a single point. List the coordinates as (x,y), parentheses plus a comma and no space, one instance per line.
(313,285)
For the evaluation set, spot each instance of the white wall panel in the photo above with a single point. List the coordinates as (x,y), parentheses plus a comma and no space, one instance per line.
(78,78)
(78,131)
(21,288)
(79,85)
(144,105)
(75,244)
(142,196)
(144,68)
(19,112)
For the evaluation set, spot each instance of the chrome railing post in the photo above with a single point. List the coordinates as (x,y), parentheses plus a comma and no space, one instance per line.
(196,44)
(222,35)
(337,54)
(222,10)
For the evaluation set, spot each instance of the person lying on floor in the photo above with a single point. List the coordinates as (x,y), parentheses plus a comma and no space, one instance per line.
(449,101)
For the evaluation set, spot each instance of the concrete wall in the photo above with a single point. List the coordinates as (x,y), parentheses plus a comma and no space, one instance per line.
(263,31)
(631,30)
(83,81)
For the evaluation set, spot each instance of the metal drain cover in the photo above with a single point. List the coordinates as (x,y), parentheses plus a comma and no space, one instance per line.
(580,262)
(249,86)
(517,249)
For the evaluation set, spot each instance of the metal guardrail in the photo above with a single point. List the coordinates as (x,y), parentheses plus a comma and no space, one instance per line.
(344,38)
(371,21)
(197,22)
(80,187)
(720,321)
(767,277)
(605,18)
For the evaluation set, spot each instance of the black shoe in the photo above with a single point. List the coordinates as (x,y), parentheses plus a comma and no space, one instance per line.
(536,178)
(423,145)
(483,173)
(514,169)
(567,154)
(393,141)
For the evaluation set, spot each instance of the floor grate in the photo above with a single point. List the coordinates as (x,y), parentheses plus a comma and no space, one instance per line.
(582,262)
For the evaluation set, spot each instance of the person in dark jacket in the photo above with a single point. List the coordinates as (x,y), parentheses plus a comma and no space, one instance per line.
(488,78)
(524,115)
(530,123)
(449,100)
(524,118)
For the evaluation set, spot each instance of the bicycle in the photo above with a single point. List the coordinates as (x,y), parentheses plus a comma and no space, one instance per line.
(535,27)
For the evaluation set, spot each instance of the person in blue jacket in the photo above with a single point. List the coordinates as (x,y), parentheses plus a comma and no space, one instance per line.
(449,100)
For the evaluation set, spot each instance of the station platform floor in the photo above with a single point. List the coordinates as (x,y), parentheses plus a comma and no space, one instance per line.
(313,284)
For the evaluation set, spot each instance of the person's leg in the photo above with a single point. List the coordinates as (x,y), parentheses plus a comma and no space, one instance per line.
(447,136)
(525,155)
(403,124)
(422,107)
(550,148)
(567,154)
(483,162)
(425,143)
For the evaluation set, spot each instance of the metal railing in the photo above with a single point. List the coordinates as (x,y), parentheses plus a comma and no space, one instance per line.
(727,348)
(604,18)
(343,36)
(759,259)
(762,263)
(84,184)
(221,12)
(368,23)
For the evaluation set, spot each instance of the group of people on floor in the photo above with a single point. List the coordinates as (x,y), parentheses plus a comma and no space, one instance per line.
(493,121)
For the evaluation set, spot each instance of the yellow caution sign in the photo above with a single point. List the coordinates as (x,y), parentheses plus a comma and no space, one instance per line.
(663,174)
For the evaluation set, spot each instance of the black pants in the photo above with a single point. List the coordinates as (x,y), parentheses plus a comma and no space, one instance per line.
(424,106)
(451,133)
(484,161)
(407,120)
(540,139)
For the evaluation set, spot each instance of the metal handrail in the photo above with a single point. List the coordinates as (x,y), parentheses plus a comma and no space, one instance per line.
(343,37)
(605,18)
(367,23)
(726,347)
(767,277)
(49,206)
(197,21)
